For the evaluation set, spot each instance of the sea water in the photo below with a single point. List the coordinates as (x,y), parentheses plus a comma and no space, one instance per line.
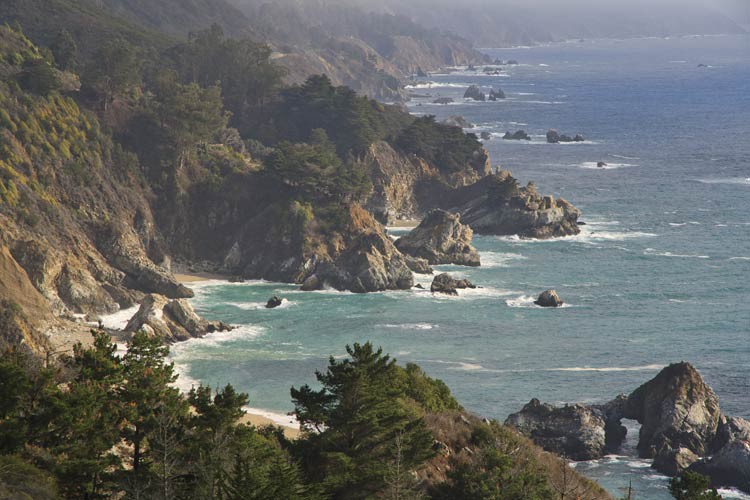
(659,273)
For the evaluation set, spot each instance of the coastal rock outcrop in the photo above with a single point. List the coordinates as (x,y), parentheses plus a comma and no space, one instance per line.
(443,100)
(475,93)
(554,137)
(496,94)
(676,409)
(730,464)
(575,431)
(458,121)
(370,261)
(549,298)
(445,283)
(418,265)
(441,239)
(518,135)
(172,320)
(496,205)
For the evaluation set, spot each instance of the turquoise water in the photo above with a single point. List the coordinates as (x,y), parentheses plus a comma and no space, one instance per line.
(659,274)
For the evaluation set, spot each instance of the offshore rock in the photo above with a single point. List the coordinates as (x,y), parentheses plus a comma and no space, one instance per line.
(676,409)
(495,95)
(475,93)
(443,100)
(418,265)
(575,431)
(441,239)
(274,302)
(458,121)
(445,283)
(549,298)
(519,135)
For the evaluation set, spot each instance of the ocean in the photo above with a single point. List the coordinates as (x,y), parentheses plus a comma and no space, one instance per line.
(659,273)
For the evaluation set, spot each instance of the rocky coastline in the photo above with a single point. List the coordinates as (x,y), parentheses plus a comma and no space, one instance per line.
(682,428)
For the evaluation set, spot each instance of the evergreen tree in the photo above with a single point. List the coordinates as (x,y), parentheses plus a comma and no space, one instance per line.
(113,70)
(353,423)
(692,486)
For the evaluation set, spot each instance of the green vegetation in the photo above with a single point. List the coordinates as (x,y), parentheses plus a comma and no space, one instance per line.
(692,486)
(445,146)
(98,425)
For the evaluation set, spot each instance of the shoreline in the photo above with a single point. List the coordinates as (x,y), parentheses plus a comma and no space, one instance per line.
(256,417)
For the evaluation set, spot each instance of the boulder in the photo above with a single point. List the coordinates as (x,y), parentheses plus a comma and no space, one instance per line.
(730,466)
(443,100)
(475,93)
(486,136)
(676,409)
(441,239)
(575,431)
(565,138)
(601,164)
(553,136)
(548,298)
(579,138)
(444,283)
(274,302)
(512,62)
(518,135)
(312,283)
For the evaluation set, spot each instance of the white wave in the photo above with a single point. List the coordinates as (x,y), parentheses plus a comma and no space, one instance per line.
(733,493)
(739,258)
(256,306)
(434,85)
(525,301)
(118,320)
(498,259)
(609,166)
(678,224)
(543,102)
(468,367)
(277,418)
(625,157)
(588,235)
(410,326)
(544,65)
(525,93)
(607,368)
(742,181)
(463,293)
(651,251)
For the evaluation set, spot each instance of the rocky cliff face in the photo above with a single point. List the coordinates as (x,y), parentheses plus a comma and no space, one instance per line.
(407,187)
(440,239)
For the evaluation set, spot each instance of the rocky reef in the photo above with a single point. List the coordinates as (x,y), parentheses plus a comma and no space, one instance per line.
(518,135)
(682,428)
(446,284)
(440,239)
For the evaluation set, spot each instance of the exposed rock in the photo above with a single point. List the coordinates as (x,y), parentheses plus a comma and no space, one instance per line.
(312,283)
(519,135)
(274,302)
(495,205)
(419,285)
(458,121)
(173,320)
(601,164)
(511,62)
(443,100)
(475,93)
(418,265)
(575,431)
(486,136)
(121,245)
(444,283)
(441,239)
(421,74)
(730,464)
(673,461)
(676,409)
(495,95)
(549,298)
(554,137)
(370,262)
